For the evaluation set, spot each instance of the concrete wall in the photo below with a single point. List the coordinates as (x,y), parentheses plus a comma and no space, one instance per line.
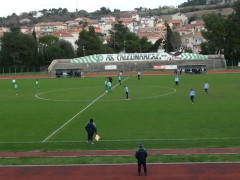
(213,62)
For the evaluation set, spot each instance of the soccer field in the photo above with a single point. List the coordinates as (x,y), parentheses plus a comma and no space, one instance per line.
(159,114)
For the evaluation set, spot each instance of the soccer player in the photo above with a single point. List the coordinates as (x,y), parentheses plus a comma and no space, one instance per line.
(126,92)
(109,87)
(139,74)
(37,85)
(206,86)
(106,85)
(91,129)
(141,156)
(110,79)
(192,95)
(120,80)
(176,81)
(14,81)
(121,73)
(16,88)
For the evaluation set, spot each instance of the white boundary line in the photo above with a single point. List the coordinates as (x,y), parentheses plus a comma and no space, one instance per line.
(78,114)
(127,140)
(120,164)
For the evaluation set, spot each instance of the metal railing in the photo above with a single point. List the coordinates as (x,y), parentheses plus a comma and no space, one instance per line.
(22,70)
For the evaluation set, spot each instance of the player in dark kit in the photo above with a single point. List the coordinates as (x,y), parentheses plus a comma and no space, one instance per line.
(110,79)
(91,129)
(141,156)
(126,92)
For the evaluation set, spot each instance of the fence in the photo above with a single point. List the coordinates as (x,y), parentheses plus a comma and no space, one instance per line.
(13,70)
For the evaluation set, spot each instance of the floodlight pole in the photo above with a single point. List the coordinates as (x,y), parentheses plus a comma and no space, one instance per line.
(83,50)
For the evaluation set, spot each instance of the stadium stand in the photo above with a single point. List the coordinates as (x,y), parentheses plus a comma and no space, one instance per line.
(135,62)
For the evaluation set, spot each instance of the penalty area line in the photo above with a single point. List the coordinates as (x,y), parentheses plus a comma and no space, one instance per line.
(78,114)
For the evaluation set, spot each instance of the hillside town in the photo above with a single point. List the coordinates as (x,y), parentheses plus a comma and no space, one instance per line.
(154,28)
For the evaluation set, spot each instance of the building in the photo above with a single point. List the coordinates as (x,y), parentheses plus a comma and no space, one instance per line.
(49,27)
(130,14)
(24,21)
(147,22)
(26,30)
(105,27)
(108,18)
(183,31)
(67,37)
(181,16)
(83,19)
(175,23)
(193,41)
(152,33)
(220,1)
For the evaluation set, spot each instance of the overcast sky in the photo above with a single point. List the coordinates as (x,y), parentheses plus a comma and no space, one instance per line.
(8,7)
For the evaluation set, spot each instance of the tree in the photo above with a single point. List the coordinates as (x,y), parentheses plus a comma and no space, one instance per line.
(36,48)
(232,40)
(89,43)
(222,34)
(145,45)
(122,39)
(216,32)
(169,40)
(83,23)
(105,10)
(176,40)
(67,48)
(49,40)
(156,45)
(18,48)
(208,48)
(192,18)
(64,11)
(116,10)
(51,48)
(117,37)
(53,52)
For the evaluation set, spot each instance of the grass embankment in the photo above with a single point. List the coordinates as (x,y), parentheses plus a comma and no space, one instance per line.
(120,159)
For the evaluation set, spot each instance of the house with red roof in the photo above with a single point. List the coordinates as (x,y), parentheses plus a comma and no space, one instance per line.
(67,36)
(49,27)
(152,33)
(181,16)
(175,23)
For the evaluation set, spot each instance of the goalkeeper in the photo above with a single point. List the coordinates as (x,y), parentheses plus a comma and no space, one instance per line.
(91,129)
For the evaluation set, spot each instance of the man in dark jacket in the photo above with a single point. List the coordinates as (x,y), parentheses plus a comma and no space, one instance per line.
(141,156)
(91,129)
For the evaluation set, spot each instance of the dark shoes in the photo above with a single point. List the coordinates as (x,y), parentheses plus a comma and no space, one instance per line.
(145,173)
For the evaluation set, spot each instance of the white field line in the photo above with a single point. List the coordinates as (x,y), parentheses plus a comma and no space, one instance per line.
(120,164)
(78,114)
(127,140)
(61,100)
(109,100)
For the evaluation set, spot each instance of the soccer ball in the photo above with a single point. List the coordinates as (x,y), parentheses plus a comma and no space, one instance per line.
(106,91)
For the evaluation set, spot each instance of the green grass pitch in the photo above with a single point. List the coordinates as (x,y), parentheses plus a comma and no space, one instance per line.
(159,114)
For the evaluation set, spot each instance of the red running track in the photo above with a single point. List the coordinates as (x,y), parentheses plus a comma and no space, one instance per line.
(181,171)
(191,171)
(116,74)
